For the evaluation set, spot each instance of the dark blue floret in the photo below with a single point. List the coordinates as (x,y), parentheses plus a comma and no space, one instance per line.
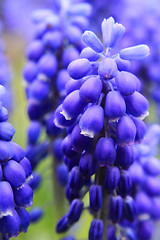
(95,197)
(96,230)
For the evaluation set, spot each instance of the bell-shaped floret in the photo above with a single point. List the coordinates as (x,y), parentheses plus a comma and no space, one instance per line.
(33,132)
(35,214)
(92,41)
(67,147)
(75,211)
(62,225)
(73,34)
(91,122)
(79,68)
(73,85)
(124,156)
(122,65)
(151,186)
(39,90)
(117,33)
(73,105)
(24,219)
(30,71)
(126,83)
(6,199)
(6,151)
(14,173)
(107,68)
(137,105)
(6,131)
(35,50)
(111,180)
(34,181)
(90,54)
(25,163)
(126,131)
(47,65)
(125,184)
(62,174)
(105,152)
(79,141)
(69,54)
(18,152)
(143,203)
(76,180)
(96,230)
(3,114)
(145,229)
(129,209)
(115,106)
(87,165)
(80,9)
(61,80)
(135,53)
(95,197)
(140,129)
(52,39)
(151,165)
(115,207)
(91,89)
(23,196)
(10,225)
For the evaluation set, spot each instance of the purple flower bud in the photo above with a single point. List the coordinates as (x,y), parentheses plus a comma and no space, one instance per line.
(30,71)
(151,186)
(24,219)
(51,129)
(92,41)
(79,141)
(35,50)
(36,214)
(67,147)
(115,208)
(137,105)
(39,90)
(23,196)
(107,31)
(62,225)
(115,106)
(124,184)
(91,90)
(70,195)
(69,54)
(79,68)
(107,68)
(129,209)
(75,180)
(10,225)
(6,131)
(87,165)
(124,156)
(62,174)
(95,197)
(73,105)
(3,114)
(135,53)
(126,83)
(73,34)
(34,181)
(14,173)
(62,79)
(140,129)
(52,39)
(75,211)
(136,173)
(96,230)
(105,152)
(25,163)
(112,177)
(126,131)
(80,21)
(117,33)
(6,151)
(151,165)
(145,229)
(47,65)
(91,122)
(90,54)
(82,9)
(143,203)
(60,121)
(73,85)
(34,131)
(18,152)
(57,150)
(122,65)
(6,199)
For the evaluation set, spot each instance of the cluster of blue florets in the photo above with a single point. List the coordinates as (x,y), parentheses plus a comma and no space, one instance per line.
(103,113)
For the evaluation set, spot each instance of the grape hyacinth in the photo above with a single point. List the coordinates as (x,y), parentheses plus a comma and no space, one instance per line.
(15,174)
(104,118)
